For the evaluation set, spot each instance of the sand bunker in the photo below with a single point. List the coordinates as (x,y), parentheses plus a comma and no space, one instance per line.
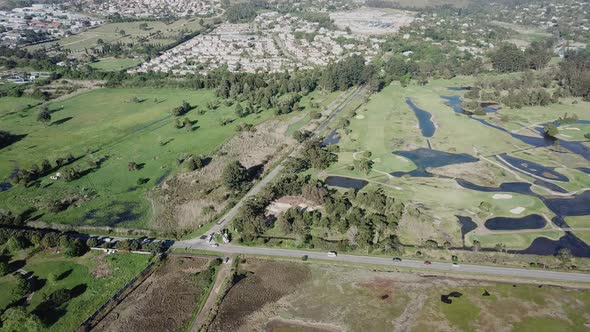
(517,210)
(502,196)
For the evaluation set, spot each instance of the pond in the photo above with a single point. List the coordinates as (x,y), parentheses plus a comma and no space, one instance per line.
(539,170)
(455,102)
(344,182)
(575,147)
(426,158)
(467,225)
(533,221)
(424,119)
(332,139)
(548,247)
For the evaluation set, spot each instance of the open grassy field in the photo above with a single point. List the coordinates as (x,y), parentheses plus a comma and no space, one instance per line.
(156,33)
(14,104)
(108,124)
(115,64)
(331,298)
(116,127)
(387,124)
(92,279)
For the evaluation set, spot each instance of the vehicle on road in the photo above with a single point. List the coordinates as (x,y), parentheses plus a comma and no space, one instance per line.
(427,263)
(214,245)
(455,264)
(397,259)
(332,254)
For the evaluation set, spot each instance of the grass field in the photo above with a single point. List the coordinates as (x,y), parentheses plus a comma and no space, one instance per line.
(118,126)
(115,64)
(107,124)
(95,277)
(156,33)
(386,124)
(14,104)
(333,298)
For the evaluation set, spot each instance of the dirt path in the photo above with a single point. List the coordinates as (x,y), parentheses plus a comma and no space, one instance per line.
(408,317)
(213,296)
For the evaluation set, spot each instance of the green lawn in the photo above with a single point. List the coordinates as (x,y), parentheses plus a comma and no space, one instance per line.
(7,283)
(108,123)
(515,241)
(115,64)
(14,104)
(95,277)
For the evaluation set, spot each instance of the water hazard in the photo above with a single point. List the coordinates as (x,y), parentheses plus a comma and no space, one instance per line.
(426,158)
(344,182)
(533,221)
(424,119)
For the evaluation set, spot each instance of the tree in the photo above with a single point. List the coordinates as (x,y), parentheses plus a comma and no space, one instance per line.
(3,269)
(508,58)
(44,116)
(92,242)
(18,319)
(132,166)
(235,175)
(122,32)
(551,130)
(431,244)
(75,248)
(16,243)
(565,256)
(22,287)
(363,165)
(587,136)
(50,240)
(182,109)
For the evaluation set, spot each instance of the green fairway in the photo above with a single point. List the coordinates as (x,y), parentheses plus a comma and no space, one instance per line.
(386,124)
(114,64)
(108,124)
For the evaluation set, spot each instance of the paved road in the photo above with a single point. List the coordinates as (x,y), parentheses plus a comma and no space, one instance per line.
(336,107)
(436,266)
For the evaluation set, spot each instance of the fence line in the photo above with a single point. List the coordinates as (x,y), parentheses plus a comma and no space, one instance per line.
(90,323)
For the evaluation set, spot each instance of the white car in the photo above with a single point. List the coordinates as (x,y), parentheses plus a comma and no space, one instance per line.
(214,245)
(456,265)
(332,254)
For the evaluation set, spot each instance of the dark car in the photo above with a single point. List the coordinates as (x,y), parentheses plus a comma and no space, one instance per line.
(397,259)
(427,263)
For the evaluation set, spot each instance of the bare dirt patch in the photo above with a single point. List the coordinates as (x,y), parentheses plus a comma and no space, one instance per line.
(163,302)
(102,268)
(191,199)
(257,284)
(285,203)
(369,21)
